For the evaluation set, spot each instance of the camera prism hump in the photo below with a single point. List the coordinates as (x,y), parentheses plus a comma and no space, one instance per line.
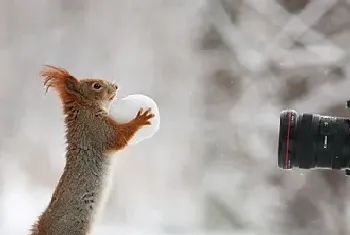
(348,104)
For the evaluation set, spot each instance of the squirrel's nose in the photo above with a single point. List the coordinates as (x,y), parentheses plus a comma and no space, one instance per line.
(112,89)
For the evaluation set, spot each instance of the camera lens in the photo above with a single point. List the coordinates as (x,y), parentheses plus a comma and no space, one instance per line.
(313,141)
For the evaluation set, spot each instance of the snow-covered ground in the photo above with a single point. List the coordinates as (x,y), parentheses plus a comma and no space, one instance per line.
(221,71)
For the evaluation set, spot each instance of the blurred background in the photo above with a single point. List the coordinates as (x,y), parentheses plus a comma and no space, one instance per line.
(220,71)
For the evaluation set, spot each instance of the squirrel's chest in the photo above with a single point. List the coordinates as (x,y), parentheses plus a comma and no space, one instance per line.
(91,185)
(98,183)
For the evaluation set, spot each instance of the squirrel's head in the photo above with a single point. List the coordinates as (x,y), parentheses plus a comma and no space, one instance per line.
(86,91)
(98,91)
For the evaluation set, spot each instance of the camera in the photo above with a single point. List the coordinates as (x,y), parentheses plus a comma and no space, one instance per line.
(310,141)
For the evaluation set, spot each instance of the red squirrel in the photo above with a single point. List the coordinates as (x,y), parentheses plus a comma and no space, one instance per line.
(92,136)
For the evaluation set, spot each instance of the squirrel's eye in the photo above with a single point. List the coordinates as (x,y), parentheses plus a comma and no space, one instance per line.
(96,86)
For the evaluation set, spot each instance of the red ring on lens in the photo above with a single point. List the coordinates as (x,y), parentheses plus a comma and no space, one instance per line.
(286,156)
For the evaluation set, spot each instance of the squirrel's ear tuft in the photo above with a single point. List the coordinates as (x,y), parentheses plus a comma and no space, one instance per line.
(61,80)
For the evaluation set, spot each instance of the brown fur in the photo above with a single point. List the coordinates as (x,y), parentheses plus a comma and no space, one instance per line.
(92,136)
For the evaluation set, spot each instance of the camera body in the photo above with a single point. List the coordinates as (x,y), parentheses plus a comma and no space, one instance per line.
(310,141)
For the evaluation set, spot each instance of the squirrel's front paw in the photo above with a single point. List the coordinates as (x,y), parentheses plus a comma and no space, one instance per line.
(143,117)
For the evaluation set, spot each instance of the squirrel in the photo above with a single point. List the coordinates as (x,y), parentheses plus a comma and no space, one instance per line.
(92,136)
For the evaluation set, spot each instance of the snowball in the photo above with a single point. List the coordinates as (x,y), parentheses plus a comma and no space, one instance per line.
(124,110)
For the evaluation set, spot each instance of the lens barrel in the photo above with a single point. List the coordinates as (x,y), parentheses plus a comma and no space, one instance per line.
(313,141)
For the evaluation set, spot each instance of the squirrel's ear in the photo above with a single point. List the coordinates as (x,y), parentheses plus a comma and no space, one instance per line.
(72,85)
(60,79)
